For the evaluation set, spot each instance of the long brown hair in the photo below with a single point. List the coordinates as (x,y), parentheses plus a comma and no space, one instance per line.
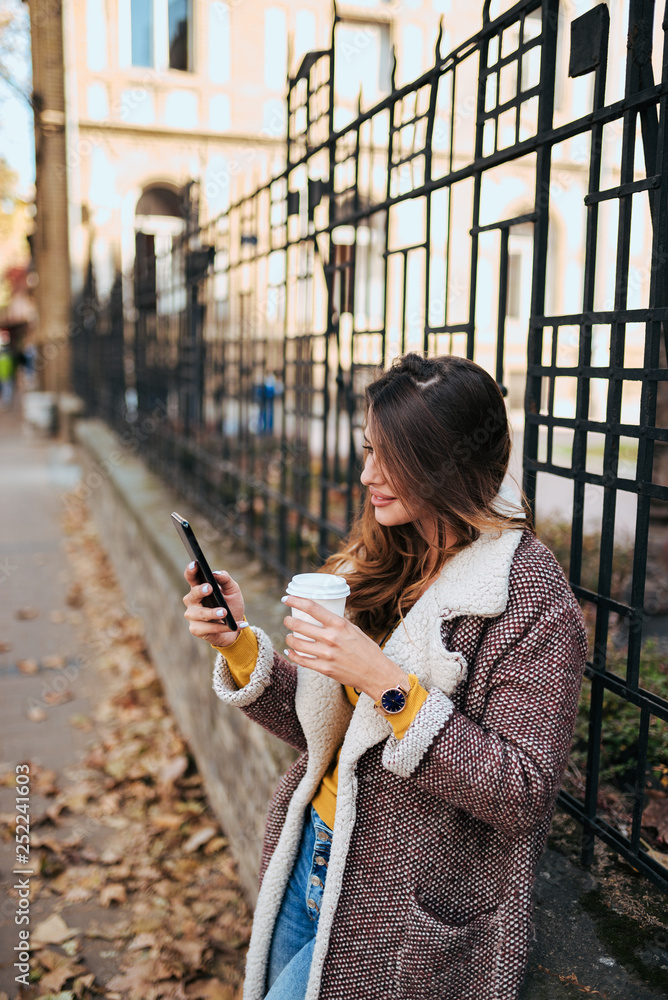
(442,440)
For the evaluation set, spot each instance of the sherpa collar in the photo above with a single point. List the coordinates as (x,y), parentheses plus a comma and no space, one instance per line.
(473,582)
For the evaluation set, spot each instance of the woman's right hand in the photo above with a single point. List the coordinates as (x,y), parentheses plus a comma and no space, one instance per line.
(204,622)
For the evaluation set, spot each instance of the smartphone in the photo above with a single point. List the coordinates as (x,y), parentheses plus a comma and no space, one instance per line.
(215,599)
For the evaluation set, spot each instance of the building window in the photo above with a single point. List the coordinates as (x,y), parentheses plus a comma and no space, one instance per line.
(362,60)
(141,12)
(161,33)
(179,41)
(520,264)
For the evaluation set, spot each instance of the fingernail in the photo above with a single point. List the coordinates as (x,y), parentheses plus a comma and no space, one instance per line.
(284,600)
(220,612)
(243,625)
(286,652)
(191,565)
(206,588)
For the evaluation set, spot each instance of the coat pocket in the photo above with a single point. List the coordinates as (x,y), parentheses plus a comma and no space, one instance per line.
(438,961)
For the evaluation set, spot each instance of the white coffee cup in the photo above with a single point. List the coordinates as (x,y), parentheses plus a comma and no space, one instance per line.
(326,589)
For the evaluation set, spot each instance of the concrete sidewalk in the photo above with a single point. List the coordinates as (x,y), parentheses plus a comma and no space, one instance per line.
(574,954)
(55,699)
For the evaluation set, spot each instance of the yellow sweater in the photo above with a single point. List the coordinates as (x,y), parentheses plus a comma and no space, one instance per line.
(241,658)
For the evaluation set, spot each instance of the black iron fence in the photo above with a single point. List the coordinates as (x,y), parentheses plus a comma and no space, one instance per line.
(479,210)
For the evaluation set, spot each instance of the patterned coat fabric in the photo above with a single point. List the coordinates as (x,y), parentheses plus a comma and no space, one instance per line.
(437,836)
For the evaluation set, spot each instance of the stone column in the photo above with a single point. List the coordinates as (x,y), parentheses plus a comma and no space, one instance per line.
(51,245)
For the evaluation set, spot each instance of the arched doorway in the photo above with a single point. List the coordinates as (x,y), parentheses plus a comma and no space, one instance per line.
(159,218)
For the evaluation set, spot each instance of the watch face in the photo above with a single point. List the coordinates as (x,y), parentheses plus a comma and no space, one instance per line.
(393,700)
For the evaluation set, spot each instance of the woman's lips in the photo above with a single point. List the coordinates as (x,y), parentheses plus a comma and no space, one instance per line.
(378,500)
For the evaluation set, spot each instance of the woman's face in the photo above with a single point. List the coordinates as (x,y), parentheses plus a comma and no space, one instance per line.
(388,509)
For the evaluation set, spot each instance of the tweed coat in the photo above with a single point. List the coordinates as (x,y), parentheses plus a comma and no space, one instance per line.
(437,835)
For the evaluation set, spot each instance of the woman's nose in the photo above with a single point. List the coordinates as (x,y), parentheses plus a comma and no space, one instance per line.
(367,474)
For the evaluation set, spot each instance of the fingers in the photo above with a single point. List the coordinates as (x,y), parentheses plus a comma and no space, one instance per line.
(311,608)
(298,655)
(196,594)
(304,628)
(298,648)
(196,612)
(214,634)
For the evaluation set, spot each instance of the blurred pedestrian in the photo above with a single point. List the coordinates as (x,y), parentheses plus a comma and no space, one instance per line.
(29,365)
(7,370)
(433,721)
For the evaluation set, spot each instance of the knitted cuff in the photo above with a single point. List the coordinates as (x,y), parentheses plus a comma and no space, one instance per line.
(223,681)
(403,756)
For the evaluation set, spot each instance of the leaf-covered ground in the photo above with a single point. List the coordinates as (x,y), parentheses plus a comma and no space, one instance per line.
(137,895)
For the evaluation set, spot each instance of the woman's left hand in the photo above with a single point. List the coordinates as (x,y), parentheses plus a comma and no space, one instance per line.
(340,650)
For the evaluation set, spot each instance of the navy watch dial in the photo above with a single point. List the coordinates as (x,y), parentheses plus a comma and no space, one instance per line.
(393,701)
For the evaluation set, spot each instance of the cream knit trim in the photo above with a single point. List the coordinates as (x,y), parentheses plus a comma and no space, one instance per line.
(224,684)
(403,756)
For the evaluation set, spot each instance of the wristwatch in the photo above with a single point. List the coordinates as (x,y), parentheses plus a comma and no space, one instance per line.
(393,700)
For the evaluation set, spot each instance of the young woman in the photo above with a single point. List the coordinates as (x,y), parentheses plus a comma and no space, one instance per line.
(433,721)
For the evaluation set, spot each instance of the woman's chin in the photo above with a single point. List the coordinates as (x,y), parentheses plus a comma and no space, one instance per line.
(389,517)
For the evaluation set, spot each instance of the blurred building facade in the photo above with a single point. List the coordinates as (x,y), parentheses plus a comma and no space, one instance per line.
(159,92)
(163,91)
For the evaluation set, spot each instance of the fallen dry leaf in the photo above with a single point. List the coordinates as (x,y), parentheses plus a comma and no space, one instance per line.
(173,770)
(143,940)
(215,845)
(198,838)
(43,779)
(108,932)
(71,947)
(655,814)
(5,647)
(114,892)
(28,666)
(49,959)
(81,721)
(191,950)
(110,857)
(53,930)
(82,983)
(137,981)
(36,714)
(53,662)
(24,614)
(210,989)
(56,979)
(75,595)
(58,697)
(56,617)
(656,855)
(166,821)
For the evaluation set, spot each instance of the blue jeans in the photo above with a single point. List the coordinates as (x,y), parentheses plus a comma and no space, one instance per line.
(297,923)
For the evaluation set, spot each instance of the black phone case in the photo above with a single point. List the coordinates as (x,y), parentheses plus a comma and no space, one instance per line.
(215,599)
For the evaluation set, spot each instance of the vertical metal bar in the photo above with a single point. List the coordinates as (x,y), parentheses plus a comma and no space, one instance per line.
(477,187)
(323,550)
(655,332)
(639,788)
(503,307)
(549,23)
(579,455)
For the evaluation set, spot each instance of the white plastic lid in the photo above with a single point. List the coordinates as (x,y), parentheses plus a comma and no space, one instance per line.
(318,586)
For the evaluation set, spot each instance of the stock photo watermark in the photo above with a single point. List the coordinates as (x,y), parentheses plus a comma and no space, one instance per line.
(24,873)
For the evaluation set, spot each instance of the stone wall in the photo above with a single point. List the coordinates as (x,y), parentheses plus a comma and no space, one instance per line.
(240,763)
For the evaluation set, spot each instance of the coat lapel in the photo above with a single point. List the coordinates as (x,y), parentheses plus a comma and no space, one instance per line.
(473,582)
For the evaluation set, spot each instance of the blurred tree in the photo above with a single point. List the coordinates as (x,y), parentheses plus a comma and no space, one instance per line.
(15,47)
